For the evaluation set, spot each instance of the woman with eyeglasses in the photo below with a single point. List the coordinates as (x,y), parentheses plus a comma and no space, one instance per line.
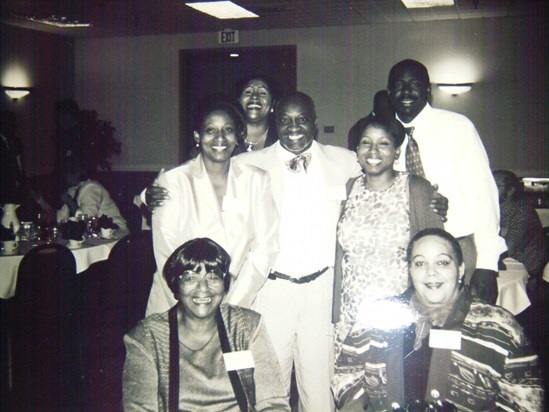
(201,355)
(435,348)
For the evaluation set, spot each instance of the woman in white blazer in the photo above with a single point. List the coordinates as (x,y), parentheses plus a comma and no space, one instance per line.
(209,196)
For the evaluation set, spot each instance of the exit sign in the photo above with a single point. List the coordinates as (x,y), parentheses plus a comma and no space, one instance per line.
(228,36)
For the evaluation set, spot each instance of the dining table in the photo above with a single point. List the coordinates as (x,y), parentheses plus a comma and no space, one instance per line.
(512,283)
(92,250)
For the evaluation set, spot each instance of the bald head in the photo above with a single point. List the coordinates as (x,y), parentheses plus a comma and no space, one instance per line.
(295,116)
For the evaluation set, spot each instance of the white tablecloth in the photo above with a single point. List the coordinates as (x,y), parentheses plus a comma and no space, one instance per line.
(92,250)
(543,216)
(512,287)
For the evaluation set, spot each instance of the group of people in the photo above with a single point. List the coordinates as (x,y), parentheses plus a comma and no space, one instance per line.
(311,235)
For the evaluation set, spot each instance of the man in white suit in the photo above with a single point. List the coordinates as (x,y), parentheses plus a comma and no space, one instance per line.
(308,182)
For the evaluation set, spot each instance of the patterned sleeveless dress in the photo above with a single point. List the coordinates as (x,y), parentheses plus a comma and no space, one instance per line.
(374,231)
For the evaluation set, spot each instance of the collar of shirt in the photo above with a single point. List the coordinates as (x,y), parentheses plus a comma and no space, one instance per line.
(418,118)
(285,155)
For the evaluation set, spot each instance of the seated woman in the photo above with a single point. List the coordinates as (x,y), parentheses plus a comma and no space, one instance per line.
(435,347)
(201,354)
(520,225)
(383,210)
(86,196)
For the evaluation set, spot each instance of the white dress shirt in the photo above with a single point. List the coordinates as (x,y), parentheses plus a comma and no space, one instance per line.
(93,200)
(454,157)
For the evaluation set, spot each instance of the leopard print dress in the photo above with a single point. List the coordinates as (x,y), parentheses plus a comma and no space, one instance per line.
(374,231)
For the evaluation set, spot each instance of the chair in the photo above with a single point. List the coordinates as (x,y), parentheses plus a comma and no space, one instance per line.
(46,331)
(125,291)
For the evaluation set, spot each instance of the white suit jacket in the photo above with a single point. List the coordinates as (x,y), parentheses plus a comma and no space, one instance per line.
(246,227)
(338,165)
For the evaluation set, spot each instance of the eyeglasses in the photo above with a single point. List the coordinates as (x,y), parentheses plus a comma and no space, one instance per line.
(422,406)
(191,279)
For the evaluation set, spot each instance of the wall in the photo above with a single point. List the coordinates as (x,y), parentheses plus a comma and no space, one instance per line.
(134,81)
(46,63)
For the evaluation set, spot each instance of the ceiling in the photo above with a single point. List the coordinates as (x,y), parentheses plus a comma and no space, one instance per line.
(145,17)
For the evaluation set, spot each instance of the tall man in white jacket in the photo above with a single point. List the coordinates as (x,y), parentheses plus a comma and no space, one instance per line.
(308,182)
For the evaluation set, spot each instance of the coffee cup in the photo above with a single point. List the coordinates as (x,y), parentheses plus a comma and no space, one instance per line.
(10,246)
(107,233)
(73,243)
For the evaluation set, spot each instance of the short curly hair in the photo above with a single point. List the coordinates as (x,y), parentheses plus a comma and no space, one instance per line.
(190,255)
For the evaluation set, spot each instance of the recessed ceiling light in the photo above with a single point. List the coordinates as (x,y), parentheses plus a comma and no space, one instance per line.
(222,10)
(422,4)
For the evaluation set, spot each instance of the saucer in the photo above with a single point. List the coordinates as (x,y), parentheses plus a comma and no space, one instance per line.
(4,253)
(75,246)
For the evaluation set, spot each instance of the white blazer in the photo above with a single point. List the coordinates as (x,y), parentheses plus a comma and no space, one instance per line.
(338,166)
(246,227)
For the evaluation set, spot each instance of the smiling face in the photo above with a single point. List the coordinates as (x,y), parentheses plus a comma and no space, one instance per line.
(256,100)
(217,137)
(409,90)
(200,292)
(296,123)
(434,269)
(376,151)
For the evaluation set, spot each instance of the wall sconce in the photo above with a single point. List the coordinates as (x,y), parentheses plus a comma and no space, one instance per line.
(16,93)
(455,88)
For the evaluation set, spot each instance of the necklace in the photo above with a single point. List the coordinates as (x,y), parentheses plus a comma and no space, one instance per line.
(251,144)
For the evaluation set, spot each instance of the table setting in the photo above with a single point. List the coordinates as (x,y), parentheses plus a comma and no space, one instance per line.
(90,240)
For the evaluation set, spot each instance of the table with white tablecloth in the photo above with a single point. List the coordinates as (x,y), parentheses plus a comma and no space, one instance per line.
(92,250)
(512,287)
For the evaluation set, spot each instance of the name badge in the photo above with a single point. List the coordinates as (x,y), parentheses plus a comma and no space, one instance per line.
(238,360)
(445,339)
(336,192)
(232,205)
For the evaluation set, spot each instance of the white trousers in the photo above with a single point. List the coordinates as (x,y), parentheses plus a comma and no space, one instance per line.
(298,319)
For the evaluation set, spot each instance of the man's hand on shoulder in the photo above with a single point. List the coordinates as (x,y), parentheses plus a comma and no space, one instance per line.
(439,204)
(155,195)
(484,285)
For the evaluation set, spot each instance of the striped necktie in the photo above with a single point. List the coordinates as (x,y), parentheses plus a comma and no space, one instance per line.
(413,158)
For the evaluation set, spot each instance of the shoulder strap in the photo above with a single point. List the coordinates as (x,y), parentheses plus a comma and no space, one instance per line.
(173,400)
(233,375)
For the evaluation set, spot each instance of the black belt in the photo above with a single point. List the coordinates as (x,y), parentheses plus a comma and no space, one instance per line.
(301,280)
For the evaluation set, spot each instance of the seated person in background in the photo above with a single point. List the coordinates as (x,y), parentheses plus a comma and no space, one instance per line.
(179,359)
(85,196)
(520,225)
(441,350)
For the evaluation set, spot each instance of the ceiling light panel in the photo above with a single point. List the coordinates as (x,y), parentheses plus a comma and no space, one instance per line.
(222,10)
(422,4)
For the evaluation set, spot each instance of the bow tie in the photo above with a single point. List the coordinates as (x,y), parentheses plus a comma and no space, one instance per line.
(298,163)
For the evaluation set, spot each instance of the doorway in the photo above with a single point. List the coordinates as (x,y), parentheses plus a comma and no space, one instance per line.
(204,72)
